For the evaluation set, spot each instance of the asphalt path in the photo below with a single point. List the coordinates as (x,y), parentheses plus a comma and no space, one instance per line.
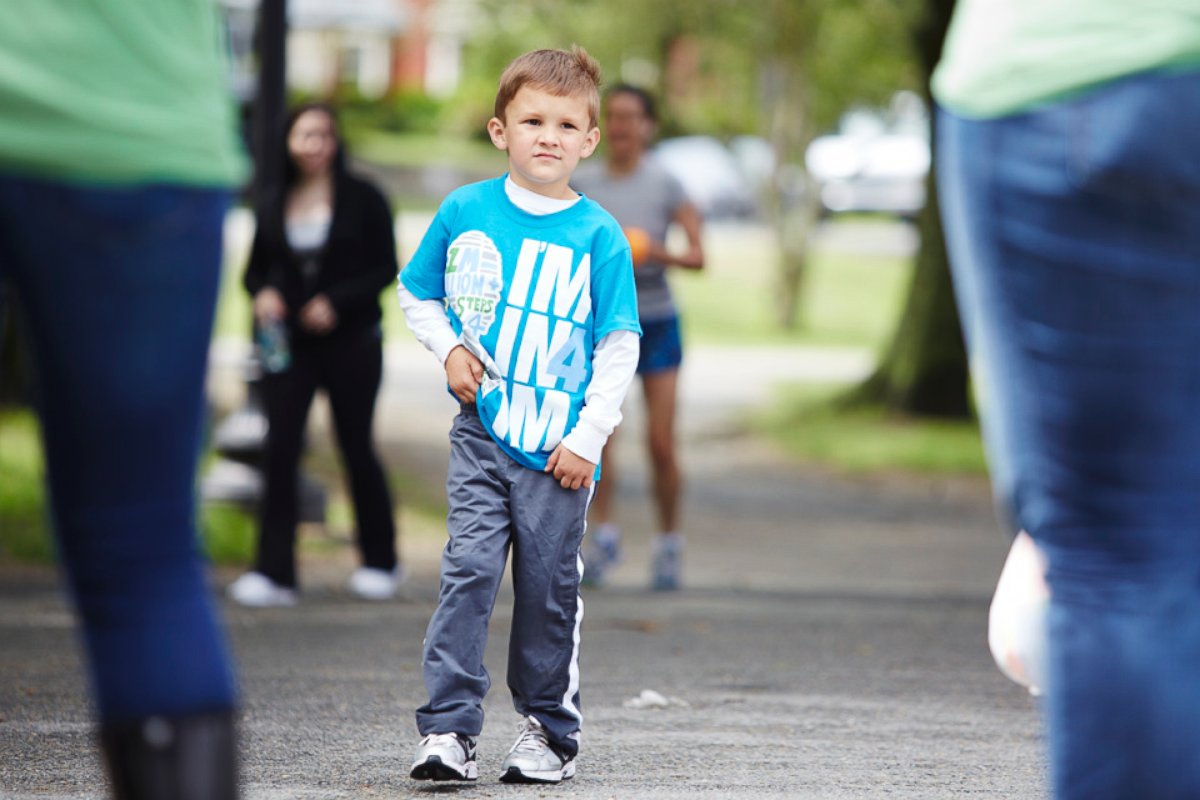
(829,641)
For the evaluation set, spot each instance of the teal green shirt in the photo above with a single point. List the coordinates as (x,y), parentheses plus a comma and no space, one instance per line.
(1002,56)
(117,91)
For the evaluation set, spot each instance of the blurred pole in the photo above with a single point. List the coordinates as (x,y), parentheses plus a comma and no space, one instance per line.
(241,438)
(270,101)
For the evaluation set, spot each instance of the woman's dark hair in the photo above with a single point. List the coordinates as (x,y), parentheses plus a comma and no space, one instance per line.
(649,106)
(339,154)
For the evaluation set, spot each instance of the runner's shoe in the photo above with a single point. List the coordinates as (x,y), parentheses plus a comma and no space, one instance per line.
(445,757)
(533,760)
(601,552)
(667,565)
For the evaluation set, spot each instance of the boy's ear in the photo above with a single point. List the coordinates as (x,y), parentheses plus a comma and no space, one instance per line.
(495,129)
(590,142)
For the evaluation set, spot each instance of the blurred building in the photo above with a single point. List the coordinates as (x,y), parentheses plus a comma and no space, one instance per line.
(374,47)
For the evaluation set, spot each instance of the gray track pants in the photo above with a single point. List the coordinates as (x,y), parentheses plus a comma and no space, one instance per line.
(496,503)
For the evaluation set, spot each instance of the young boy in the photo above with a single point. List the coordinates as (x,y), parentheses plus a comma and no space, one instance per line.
(524,290)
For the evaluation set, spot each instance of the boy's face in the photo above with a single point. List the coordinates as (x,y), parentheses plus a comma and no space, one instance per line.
(545,136)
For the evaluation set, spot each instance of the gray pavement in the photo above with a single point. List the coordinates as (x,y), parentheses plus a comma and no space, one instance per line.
(829,643)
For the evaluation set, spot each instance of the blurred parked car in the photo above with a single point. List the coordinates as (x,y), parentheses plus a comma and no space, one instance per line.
(711,175)
(877,160)
(755,160)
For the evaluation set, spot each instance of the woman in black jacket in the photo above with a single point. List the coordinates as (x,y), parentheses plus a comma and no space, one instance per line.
(322,253)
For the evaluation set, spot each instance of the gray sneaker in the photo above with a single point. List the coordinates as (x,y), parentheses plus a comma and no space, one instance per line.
(533,760)
(600,555)
(445,757)
(667,565)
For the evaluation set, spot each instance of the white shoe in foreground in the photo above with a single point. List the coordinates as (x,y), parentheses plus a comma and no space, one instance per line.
(258,591)
(445,757)
(533,760)
(368,583)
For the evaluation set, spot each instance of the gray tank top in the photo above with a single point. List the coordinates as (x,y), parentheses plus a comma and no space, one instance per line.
(646,198)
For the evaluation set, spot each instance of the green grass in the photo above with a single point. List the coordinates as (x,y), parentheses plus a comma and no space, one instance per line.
(847,300)
(24,528)
(851,300)
(810,425)
(227,533)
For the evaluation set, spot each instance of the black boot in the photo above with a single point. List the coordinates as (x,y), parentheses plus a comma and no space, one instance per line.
(172,758)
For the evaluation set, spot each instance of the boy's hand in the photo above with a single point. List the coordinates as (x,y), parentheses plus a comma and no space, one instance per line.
(570,470)
(464,373)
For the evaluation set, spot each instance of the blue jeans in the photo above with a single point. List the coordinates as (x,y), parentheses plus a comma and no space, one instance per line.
(119,288)
(1074,234)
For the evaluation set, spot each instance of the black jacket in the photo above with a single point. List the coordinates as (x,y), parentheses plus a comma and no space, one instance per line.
(357,262)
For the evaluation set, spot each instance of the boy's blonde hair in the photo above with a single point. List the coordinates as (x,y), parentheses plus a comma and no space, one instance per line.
(555,71)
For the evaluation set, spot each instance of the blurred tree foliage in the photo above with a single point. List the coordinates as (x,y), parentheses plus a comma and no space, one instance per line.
(785,70)
(717,64)
(406,111)
(781,69)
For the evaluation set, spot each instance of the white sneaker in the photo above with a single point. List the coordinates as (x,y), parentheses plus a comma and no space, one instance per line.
(258,591)
(445,757)
(533,760)
(368,583)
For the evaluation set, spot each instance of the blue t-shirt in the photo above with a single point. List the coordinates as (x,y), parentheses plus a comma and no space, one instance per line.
(536,293)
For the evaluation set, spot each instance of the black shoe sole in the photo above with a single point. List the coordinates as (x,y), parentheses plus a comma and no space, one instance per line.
(514,775)
(432,769)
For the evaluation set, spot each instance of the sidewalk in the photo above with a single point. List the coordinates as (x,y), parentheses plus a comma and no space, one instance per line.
(829,643)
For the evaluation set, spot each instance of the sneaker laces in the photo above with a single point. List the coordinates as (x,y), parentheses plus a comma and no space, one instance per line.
(532,739)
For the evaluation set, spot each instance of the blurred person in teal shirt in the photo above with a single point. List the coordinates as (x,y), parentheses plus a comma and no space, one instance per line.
(118,150)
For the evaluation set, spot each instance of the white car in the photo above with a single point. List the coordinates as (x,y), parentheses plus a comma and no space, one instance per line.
(875,162)
(710,174)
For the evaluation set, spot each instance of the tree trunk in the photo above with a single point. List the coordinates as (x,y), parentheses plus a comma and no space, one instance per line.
(793,220)
(924,370)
